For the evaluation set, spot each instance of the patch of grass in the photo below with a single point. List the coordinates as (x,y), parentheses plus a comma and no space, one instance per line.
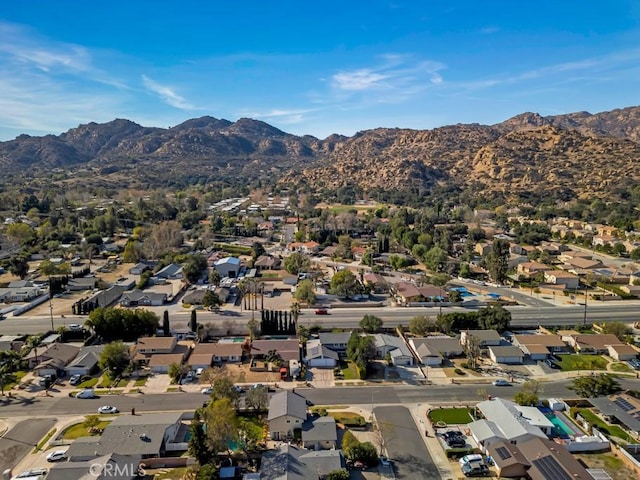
(173,389)
(612,464)
(44,441)
(269,275)
(78,430)
(348,418)
(169,473)
(141,382)
(611,430)
(19,375)
(620,367)
(451,416)
(109,392)
(582,362)
(350,372)
(92,382)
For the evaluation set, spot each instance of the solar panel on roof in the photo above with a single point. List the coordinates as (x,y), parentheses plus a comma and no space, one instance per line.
(503,453)
(551,469)
(623,404)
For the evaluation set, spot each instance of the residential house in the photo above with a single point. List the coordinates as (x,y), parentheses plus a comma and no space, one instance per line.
(82,283)
(308,248)
(158,353)
(620,409)
(508,355)
(111,466)
(11,342)
(228,267)
(622,352)
(139,298)
(561,277)
(146,435)
(173,271)
(288,349)
(139,268)
(592,343)
(51,360)
(602,240)
(531,269)
(482,248)
(409,293)
(287,412)
(582,263)
(289,462)
(516,249)
(205,355)
(19,294)
(395,347)
(336,341)
(553,343)
(434,349)
(319,356)
(486,337)
(319,433)
(267,262)
(376,282)
(508,460)
(86,362)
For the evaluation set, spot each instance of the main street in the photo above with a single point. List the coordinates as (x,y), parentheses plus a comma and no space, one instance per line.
(522,317)
(370,396)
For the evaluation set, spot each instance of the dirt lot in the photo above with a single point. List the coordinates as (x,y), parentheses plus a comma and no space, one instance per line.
(608,462)
(251,377)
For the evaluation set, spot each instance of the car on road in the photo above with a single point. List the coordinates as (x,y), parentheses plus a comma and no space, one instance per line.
(501,382)
(57,456)
(207,390)
(34,473)
(107,409)
(75,326)
(321,311)
(86,393)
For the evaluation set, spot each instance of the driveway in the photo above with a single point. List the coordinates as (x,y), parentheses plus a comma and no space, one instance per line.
(321,377)
(404,444)
(21,439)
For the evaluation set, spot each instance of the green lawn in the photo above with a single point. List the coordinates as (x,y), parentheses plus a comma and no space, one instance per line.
(350,372)
(79,430)
(89,383)
(451,416)
(582,362)
(611,430)
(19,375)
(44,441)
(141,382)
(620,367)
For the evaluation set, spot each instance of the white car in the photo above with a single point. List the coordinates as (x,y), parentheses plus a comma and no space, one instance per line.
(57,455)
(107,409)
(75,326)
(86,393)
(501,382)
(207,390)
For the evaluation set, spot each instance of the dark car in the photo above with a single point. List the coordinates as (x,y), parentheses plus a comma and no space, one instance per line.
(551,364)
(475,470)
(454,439)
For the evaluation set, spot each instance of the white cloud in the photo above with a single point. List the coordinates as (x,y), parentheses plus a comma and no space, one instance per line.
(358,80)
(167,94)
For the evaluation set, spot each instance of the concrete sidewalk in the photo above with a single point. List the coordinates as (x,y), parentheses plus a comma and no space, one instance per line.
(444,466)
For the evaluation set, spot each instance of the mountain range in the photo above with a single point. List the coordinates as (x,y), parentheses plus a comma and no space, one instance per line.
(563,156)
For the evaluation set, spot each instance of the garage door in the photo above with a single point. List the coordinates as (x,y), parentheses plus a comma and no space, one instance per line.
(322,363)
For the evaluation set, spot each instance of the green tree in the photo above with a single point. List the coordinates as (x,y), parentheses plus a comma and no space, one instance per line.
(166,326)
(210,300)
(6,376)
(19,267)
(360,350)
(214,277)
(257,249)
(20,233)
(198,443)
(494,318)
(421,324)
(119,323)
(305,292)
(297,263)
(177,371)
(364,452)
(349,440)
(435,259)
(194,268)
(371,323)
(497,260)
(257,398)
(472,351)
(114,359)
(222,425)
(343,284)
(595,386)
(132,252)
(91,422)
(455,296)
(528,394)
(618,329)
(254,328)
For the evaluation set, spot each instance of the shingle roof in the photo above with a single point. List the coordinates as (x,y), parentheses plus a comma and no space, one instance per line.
(504,414)
(287,403)
(292,463)
(316,350)
(319,429)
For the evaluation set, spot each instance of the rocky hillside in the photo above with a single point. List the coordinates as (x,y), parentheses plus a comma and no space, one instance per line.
(578,154)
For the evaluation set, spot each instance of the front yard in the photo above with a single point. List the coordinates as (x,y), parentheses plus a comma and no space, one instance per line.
(611,430)
(607,461)
(582,362)
(78,430)
(451,416)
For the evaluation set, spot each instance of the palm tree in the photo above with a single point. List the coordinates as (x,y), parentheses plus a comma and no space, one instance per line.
(6,376)
(295,312)
(34,342)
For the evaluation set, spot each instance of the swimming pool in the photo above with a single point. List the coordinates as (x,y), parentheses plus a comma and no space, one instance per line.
(561,429)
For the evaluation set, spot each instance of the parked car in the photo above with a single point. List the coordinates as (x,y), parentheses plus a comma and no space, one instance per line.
(322,311)
(551,364)
(385,461)
(75,379)
(454,438)
(199,372)
(473,458)
(75,326)
(207,390)
(107,409)
(501,382)
(475,470)
(57,456)
(46,381)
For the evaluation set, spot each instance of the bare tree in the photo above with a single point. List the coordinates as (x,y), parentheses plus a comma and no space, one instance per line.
(383,434)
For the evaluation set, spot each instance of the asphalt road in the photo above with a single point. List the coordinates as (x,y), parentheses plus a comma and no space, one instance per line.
(404,445)
(350,317)
(18,441)
(367,396)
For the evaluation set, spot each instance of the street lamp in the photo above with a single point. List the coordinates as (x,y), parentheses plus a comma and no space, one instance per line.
(584,320)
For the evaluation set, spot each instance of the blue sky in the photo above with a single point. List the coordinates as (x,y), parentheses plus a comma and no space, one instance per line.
(312,67)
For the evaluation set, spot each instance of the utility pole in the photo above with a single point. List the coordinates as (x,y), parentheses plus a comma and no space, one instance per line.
(584,320)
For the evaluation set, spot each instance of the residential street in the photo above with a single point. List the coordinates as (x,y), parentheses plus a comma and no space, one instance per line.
(21,439)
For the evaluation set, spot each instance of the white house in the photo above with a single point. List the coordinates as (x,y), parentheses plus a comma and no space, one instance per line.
(287,412)
(320,356)
(228,267)
(622,353)
(393,346)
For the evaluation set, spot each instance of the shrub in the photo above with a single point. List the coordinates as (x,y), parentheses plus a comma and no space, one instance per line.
(458,452)
(459,371)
